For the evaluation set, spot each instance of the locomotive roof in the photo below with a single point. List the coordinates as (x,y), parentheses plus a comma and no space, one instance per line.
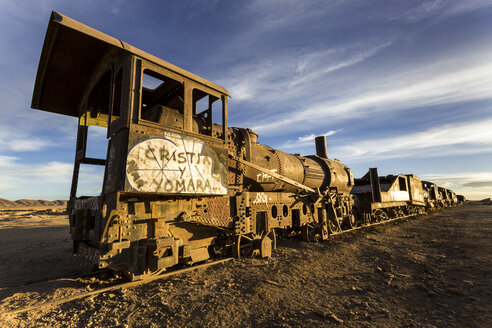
(70,53)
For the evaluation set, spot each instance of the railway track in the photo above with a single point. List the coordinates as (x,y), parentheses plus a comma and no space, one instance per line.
(114,287)
(373,224)
(156,277)
(69,277)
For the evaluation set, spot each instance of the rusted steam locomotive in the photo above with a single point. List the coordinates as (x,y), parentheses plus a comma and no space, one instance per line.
(181,185)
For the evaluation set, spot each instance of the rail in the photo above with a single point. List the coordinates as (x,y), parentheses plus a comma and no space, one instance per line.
(114,287)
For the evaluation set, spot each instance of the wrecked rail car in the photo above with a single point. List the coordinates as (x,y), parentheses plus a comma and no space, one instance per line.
(391,196)
(179,184)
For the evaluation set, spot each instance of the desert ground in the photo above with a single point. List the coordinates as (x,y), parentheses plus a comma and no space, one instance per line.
(426,271)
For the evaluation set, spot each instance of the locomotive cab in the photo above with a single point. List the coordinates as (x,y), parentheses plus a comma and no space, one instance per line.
(167,134)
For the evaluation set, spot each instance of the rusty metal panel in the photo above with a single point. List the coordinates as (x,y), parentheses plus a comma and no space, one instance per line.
(115,165)
(393,191)
(175,164)
(416,189)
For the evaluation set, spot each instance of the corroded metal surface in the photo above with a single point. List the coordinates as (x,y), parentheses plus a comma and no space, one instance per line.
(180,185)
(175,164)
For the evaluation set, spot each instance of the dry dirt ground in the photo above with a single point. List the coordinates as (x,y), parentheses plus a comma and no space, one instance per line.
(427,271)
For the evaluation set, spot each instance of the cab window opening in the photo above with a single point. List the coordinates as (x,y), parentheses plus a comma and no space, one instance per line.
(202,111)
(207,113)
(403,185)
(162,100)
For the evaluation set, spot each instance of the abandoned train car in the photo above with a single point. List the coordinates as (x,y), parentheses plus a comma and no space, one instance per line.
(391,196)
(431,195)
(179,184)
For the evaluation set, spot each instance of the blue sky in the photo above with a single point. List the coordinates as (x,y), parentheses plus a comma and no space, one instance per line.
(405,86)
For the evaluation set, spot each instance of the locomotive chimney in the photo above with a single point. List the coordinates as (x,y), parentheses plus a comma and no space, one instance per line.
(321,147)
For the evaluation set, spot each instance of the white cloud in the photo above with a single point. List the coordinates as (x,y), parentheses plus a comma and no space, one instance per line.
(299,85)
(21,180)
(319,68)
(49,180)
(304,144)
(450,139)
(441,9)
(311,136)
(462,177)
(425,87)
(278,14)
(11,169)
(289,75)
(271,15)
(474,185)
(11,140)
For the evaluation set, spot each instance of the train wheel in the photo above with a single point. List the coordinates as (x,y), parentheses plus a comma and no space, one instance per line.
(324,231)
(252,244)
(313,233)
(244,245)
(380,215)
(333,226)
(351,221)
(309,233)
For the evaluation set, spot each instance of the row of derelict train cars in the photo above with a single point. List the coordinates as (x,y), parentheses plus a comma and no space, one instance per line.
(180,186)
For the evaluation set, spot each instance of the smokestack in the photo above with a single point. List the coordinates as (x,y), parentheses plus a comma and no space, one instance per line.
(321,147)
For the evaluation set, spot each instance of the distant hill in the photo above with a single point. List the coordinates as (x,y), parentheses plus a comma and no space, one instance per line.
(485,201)
(5,203)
